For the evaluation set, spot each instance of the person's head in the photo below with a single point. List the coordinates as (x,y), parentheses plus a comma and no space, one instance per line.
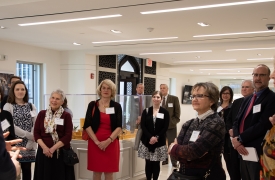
(247,88)
(272,76)
(106,89)
(226,94)
(164,89)
(156,97)
(140,88)
(205,96)
(18,92)
(65,103)
(261,78)
(57,99)
(13,79)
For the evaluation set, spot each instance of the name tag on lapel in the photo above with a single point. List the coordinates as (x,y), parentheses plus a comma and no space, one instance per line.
(194,136)
(257,108)
(110,110)
(59,121)
(170,104)
(160,115)
(5,124)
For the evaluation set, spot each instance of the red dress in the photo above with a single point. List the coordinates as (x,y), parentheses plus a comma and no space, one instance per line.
(108,160)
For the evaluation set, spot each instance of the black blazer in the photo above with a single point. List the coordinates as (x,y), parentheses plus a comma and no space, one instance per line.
(233,113)
(148,130)
(7,115)
(116,118)
(256,125)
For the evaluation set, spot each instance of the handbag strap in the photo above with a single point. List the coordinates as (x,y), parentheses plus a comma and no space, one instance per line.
(93,111)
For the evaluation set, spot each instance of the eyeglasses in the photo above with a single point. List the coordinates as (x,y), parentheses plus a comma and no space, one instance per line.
(245,86)
(226,93)
(258,75)
(198,96)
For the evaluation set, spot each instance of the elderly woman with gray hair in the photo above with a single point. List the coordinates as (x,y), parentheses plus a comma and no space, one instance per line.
(53,132)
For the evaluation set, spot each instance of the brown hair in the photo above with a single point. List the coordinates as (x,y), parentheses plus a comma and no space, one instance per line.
(230,92)
(157,92)
(2,94)
(65,105)
(11,98)
(14,77)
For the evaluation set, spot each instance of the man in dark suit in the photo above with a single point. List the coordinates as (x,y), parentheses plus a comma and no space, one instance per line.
(247,89)
(12,80)
(252,121)
(172,105)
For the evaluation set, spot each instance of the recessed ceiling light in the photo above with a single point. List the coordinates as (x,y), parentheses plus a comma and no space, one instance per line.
(2,27)
(264,19)
(259,54)
(239,71)
(250,49)
(115,31)
(231,34)
(70,20)
(197,57)
(206,6)
(77,44)
(191,70)
(131,40)
(201,72)
(180,52)
(202,61)
(228,69)
(255,59)
(209,73)
(203,24)
(233,73)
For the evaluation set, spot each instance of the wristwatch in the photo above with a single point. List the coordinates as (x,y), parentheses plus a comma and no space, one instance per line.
(239,139)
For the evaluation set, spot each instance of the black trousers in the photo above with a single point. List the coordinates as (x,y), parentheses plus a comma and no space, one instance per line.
(26,170)
(152,168)
(250,170)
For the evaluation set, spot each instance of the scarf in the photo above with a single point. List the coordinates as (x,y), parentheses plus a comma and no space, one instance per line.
(49,122)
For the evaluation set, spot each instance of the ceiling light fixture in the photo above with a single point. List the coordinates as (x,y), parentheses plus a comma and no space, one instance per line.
(231,34)
(131,40)
(259,54)
(203,24)
(206,6)
(116,31)
(191,70)
(180,52)
(228,69)
(255,59)
(202,61)
(77,44)
(2,27)
(70,20)
(250,49)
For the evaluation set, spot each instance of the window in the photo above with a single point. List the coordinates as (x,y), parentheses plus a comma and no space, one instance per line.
(30,74)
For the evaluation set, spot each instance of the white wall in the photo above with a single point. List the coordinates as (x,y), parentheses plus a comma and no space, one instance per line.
(50,60)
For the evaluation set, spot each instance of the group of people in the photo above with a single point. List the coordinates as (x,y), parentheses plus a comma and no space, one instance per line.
(51,129)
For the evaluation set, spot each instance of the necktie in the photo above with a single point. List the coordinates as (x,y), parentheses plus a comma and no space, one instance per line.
(140,105)
(247,112)
(163,102)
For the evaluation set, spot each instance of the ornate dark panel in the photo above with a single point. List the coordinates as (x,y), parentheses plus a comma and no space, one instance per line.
(106,75)
(151,70)
(149,85)
(107,61)
(129,88)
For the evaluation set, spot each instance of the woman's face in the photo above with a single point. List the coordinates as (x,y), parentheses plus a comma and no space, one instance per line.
(226,95)
(202,103)
(55,101)
(156,99)
(106,91)
(19,91)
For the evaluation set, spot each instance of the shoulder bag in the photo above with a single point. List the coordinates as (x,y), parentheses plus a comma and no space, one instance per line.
(85,135)
(138,135)
(70,157)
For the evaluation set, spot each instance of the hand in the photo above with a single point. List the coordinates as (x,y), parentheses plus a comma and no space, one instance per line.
(15,162)
(153,140)
(230,132)
(9,144)
(241,150)
(52,150)
(47,152)
(138,120)
(104,144)
(235,143)
(272,119)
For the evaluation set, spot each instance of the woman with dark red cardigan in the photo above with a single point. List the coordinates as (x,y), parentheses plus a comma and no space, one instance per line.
(53,132)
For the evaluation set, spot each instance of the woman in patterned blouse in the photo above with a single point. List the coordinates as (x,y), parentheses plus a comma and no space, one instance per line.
(24,116)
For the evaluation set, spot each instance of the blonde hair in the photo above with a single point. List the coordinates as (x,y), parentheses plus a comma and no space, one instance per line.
(109,83)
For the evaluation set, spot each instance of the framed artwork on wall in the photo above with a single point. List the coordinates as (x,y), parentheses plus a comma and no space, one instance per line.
(4,82)
(186,93)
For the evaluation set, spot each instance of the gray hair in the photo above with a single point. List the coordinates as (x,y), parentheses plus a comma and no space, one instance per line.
(249,81)
(60,92)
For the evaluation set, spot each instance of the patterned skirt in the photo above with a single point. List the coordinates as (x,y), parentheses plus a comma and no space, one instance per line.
(160,153)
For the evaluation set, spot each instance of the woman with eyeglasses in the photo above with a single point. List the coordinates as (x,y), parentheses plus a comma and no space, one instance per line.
(199,145)
(224,106)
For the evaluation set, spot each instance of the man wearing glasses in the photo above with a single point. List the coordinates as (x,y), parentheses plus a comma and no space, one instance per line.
(252,121)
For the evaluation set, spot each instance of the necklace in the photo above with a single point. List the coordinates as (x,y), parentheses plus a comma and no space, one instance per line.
(104,105)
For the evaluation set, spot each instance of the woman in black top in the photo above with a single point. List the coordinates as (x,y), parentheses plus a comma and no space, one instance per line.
(6,118)
(152,148)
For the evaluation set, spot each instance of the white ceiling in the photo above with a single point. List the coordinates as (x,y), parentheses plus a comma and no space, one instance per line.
(182,24)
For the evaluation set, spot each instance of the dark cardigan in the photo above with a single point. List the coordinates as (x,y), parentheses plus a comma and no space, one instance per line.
(7,115)
(148,130)
(116,118)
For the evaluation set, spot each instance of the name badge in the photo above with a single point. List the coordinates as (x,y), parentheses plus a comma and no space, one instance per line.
(136,97)
(194,136)
(32,113)
(5,124)
(219,109)
(110,110)
(160,115)
(59,121)
(257,108)
(170,104)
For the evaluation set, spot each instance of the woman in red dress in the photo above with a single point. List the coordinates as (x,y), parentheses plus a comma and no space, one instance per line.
(103,123)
